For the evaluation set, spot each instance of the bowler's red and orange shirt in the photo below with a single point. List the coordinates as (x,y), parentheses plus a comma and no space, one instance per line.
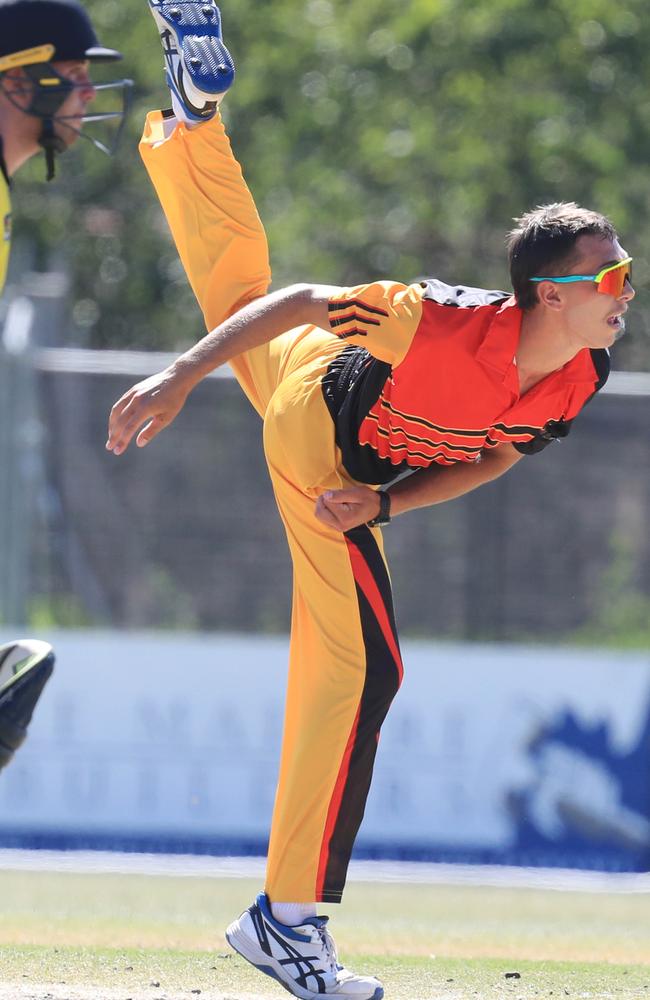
(429,374)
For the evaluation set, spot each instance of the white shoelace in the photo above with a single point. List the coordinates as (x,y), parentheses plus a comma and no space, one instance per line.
(329,950)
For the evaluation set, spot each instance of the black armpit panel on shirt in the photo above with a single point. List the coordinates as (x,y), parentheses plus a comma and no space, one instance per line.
(351,386)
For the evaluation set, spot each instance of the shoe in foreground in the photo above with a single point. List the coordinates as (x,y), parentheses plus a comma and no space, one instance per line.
(302,959)
(25,668)
(199,68)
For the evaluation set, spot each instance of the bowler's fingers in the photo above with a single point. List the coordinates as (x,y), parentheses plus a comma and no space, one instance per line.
(128,414)
(117,410)
(324,514)
(340,513)
(351,496)
(150,430)
(360,502)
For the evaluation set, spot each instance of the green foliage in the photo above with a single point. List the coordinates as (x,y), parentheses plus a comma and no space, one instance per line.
(621,617)
(379,140)
(58,611)
(167,605)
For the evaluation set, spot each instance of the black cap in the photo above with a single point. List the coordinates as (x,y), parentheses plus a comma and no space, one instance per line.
(64,24)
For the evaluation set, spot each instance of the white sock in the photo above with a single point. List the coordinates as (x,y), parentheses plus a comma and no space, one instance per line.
(168,125)
(293,914)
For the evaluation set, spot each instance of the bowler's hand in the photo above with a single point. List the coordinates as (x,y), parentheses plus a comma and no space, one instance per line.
(347,509)
(149,405)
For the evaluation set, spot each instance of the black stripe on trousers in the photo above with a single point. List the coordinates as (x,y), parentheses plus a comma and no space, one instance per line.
(380,687)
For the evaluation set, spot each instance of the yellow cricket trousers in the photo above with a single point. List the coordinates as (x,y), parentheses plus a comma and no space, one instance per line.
(344,665)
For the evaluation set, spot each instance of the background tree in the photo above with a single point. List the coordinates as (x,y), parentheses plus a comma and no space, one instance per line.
(379,140)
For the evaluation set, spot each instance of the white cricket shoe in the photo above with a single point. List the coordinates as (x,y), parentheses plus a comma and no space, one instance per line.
(302,959)
(25,668)
(198,67)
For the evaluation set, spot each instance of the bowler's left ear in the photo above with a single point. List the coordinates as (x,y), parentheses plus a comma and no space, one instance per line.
(550,295)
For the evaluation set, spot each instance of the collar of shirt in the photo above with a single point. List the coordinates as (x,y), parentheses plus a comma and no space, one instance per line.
(499,348)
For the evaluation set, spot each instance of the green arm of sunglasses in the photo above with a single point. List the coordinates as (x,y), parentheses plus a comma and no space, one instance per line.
(587,277)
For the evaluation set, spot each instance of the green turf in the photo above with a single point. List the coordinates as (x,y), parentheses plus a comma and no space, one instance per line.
(110,937)
(174,974)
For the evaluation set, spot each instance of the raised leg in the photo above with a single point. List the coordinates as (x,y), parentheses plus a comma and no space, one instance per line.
(217,231)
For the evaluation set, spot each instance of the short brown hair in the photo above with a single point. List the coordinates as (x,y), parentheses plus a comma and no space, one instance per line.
(544,241)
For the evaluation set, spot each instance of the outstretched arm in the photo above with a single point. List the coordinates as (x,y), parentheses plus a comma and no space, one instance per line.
(346,509)
(152,404)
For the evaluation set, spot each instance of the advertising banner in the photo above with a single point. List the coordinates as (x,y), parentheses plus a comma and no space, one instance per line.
(493,754)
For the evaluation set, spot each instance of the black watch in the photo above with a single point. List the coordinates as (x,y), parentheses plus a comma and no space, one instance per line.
(383,517)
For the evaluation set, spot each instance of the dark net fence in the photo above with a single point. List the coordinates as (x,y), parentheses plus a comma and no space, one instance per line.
(185,533)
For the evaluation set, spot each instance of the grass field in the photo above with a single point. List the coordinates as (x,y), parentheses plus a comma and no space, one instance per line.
(115,937)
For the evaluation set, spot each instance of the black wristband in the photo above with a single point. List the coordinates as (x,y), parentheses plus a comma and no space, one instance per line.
(383,517)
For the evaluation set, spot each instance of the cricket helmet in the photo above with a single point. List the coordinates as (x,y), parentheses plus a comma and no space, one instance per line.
(34,34)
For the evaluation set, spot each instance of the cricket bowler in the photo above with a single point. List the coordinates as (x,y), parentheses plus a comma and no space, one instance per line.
(375,400)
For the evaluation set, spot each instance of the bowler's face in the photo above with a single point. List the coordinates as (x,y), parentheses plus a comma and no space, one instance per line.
(593,318)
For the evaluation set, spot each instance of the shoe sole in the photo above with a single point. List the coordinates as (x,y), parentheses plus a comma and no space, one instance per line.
(243,945)
(196,37)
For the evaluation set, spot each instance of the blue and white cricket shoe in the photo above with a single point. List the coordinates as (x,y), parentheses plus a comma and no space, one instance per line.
(25,667)
(302,959)
(199,68)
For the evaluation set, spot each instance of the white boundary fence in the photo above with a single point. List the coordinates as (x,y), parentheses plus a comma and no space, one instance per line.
(492,754)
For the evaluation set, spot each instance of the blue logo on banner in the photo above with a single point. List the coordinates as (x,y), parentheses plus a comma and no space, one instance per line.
(587,805)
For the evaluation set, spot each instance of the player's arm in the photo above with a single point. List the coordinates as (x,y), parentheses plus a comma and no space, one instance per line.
(152,404)
(346,509)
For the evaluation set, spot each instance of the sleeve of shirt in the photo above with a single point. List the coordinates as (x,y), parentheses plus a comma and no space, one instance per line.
(382,317)
(555,430)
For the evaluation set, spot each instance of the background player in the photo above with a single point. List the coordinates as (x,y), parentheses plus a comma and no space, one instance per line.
(46,48)
(354,386)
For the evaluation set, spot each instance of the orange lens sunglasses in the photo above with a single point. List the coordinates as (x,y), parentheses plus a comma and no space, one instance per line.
(610,281)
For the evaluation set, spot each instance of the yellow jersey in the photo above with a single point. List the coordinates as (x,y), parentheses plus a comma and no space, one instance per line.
(5,222)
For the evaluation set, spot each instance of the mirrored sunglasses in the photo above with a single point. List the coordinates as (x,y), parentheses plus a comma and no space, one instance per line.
(610,281)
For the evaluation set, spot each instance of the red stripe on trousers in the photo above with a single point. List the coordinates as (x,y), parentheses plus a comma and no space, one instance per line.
(335,805)
(368,585)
